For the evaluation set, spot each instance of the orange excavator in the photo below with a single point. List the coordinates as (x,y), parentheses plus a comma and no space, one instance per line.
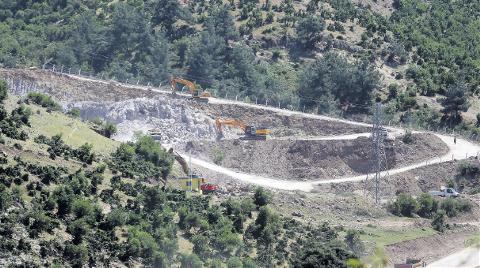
(250,132)
(196,94)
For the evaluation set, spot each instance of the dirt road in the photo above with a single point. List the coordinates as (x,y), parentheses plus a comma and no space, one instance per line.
(461,150)
(466,258)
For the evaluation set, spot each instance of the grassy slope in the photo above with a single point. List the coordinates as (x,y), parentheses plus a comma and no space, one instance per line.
(74,132)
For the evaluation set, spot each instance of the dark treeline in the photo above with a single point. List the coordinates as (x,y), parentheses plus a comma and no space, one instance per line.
(261,50)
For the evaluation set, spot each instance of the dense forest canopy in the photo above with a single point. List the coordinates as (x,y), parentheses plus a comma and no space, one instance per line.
(257,50)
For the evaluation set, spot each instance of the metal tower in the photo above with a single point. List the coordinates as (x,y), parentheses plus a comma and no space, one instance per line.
(379,158)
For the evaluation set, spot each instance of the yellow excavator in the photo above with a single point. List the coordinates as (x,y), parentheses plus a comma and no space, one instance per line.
(196,94)
(250,132)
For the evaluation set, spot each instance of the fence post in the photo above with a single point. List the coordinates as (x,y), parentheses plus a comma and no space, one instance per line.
(278,105)
(266,102)
(53,68)
(236,97)
(69,70)
(226,95)
(138,81)
(256,100)
(101,77)
(61,69)
(79,71)
(148,84)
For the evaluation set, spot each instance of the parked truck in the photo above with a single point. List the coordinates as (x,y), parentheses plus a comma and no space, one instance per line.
(445,192)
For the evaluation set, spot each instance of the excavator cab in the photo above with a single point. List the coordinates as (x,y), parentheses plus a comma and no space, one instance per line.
(196,93)
(250,132)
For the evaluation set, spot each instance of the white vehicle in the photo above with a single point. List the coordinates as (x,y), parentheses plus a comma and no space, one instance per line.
(445,192)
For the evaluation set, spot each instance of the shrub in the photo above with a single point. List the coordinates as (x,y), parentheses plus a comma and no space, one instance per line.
(261,197)
(438,222)
(218,157)
(190,261)
(352,239)
(74,112)
(77,254)
(407,137)
(405,205)
(44,101)
(450,207)
(464,205)
(3,90)
(427,205)
(109,129)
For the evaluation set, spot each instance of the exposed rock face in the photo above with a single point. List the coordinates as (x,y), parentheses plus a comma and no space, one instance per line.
(172,118)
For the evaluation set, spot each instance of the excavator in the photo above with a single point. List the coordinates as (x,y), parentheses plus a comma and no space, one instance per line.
(250,132)
(196,94)
(193,181)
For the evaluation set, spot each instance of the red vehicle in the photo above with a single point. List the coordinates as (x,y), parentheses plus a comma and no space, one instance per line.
(208,188)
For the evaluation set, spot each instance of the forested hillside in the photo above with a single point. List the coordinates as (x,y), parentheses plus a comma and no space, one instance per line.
(330,56)
(80,206)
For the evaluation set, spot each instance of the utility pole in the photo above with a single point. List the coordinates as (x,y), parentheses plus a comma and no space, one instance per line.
(379,158)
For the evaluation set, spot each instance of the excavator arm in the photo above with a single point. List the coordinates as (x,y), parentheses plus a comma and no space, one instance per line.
(191,86)
(251,132)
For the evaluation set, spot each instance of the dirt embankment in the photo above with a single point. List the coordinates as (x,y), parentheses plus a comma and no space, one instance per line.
(73,91)
(280,124)
(312,159)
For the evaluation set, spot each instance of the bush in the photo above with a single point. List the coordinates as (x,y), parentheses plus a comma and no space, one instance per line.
(218,157)
(427,205)
(407,137)
(44,101)
(74,112)
(261,197)
(109,129)
(449,205)
(352,239)
(405,205)
(3,90)
(190,261)
(77,254)
(438,222)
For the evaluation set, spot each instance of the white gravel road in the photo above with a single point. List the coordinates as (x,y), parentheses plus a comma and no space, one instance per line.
(466,258)
(461,150)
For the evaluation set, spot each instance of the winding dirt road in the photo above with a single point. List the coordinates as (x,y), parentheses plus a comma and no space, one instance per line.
(461,150)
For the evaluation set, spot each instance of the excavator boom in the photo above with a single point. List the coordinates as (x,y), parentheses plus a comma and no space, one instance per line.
(196,94)
(250,132)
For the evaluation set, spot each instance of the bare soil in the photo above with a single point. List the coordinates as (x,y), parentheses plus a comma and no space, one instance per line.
(312,159)
(73,90)
(430,248)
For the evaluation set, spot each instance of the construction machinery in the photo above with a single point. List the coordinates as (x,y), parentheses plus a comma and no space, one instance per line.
(196,94)
(193,182)
(250,132)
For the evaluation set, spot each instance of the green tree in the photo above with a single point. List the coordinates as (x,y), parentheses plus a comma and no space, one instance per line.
(77,254)
(190,261)
(427,205)
(166,13)
(79,229)
(404,205)
(354,243)
(455,101)
(205,57)
(332,82)
(309,31)
(438,222)
(261,197)
(3,90)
